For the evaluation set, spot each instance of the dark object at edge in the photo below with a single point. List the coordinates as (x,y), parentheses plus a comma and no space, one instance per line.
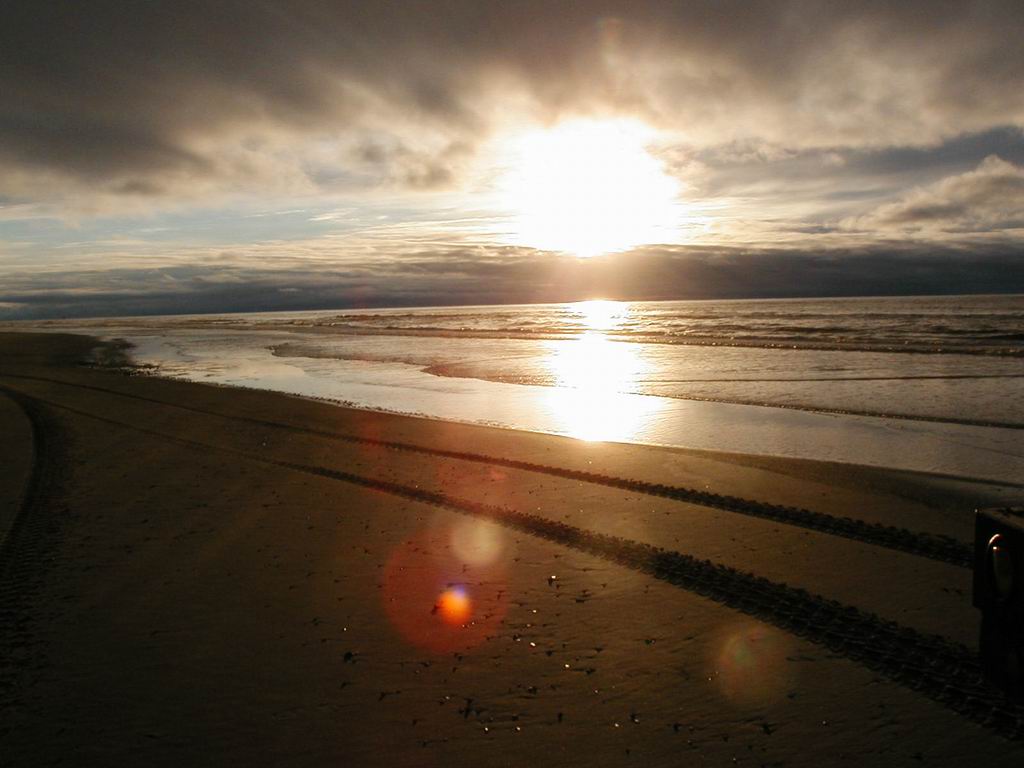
(999,595)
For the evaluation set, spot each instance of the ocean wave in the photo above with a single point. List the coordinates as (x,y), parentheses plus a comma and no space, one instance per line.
(944,346)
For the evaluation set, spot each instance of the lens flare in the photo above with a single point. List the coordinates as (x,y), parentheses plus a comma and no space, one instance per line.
(436,600)
(455,606)
(752,666)
(478,542)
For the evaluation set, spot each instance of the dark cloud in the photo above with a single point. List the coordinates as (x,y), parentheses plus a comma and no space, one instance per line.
(849,172)
(394,161)
(114,95)
(504,275)
(986,199)
(1006,142)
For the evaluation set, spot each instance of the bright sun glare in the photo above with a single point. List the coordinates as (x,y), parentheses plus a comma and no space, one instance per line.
(597,377)
(600,314)
(589,187)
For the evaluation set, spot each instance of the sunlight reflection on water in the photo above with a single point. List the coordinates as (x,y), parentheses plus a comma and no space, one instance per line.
(590,377)
(593,373)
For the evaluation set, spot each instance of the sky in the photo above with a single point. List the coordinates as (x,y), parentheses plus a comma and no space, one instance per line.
(164,157)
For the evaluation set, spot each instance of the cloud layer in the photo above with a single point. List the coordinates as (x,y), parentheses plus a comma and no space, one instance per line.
(236,155)
(989,198)
(227,283)
(189,99)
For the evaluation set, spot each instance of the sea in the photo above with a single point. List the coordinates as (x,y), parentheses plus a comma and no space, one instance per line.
(929,384)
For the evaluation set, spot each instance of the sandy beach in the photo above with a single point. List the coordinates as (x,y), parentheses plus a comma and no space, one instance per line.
(201,575)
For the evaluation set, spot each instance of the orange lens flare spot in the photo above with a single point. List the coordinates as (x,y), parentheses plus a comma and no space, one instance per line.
(454,606)
(428,603)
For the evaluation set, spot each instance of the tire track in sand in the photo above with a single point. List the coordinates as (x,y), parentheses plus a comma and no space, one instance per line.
(933,546)
(24,553)
(938,668)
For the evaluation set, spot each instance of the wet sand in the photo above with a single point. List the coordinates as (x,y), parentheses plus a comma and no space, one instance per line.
(209,576)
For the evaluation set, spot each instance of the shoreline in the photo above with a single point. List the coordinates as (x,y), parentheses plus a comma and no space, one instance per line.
(221,574)
(873,432)
(133,369)
(111,356)
(442,370)
(977,440)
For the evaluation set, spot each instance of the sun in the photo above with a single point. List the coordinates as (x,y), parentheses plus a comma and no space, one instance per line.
(589,187)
